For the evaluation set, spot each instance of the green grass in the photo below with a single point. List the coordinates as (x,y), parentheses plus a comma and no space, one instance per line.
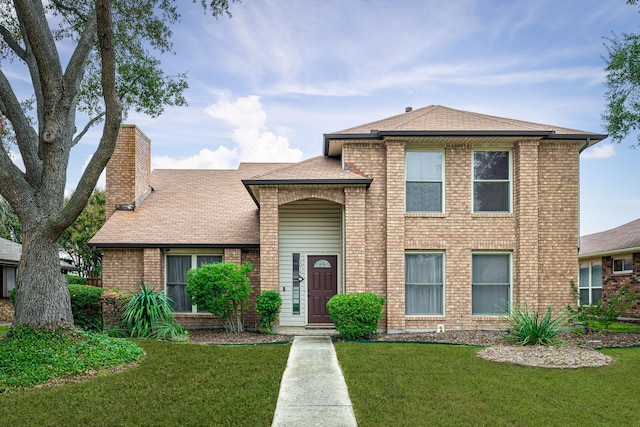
(444,385)
(175,384)
(633,328)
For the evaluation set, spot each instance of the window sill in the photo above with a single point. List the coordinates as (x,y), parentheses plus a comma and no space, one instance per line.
(424,215)
(492,215)
(623,273)
(424,316)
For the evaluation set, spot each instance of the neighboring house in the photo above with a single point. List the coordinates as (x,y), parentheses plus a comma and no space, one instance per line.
(608,261)
(447,214)
(9,259)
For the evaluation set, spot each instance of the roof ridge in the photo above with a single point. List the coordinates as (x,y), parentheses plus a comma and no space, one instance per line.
(288,166)
(430,107)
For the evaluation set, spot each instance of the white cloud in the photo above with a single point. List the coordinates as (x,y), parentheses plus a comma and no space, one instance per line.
(603,151)
(222,158)
(255,143)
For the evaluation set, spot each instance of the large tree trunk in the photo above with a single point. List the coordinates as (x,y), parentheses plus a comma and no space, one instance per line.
(42,297)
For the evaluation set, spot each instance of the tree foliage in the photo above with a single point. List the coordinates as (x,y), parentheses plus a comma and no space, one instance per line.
(10,227)
(222,289)
(75,239)
(89,62)
(622,113)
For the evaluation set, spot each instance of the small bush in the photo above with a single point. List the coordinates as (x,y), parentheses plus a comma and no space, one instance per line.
(148,314)
(605,312)
(268,306)
(356,316)
(75,280)
(529,328)
(86,307)
(222,289)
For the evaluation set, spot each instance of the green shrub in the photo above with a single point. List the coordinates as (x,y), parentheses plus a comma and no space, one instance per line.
(222,289)
(86,307)
(148,314)
(75,280)
(31,356)
(605,312)
(356,316)
(268,306)
(528,327)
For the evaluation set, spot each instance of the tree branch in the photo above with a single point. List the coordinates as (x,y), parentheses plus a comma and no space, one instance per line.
(75,69)
(73,10)
(36,30)
(25,135)
(113,118)
(86,128)
(12,43)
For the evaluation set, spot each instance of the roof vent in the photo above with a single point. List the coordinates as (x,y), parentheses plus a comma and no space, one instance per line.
(408,109)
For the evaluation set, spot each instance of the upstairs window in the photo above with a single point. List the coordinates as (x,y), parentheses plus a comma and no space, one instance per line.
(491,181)
(623,265)
(423,181)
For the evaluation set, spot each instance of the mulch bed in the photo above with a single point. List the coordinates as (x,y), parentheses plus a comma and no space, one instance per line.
(466,337)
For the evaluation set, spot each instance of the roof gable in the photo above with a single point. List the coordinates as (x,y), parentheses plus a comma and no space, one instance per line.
(619,239)
(436,120)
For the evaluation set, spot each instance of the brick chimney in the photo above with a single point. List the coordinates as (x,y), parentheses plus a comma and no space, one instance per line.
(128,171)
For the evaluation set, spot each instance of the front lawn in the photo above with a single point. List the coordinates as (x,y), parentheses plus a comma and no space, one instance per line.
(175,384)
(446,385)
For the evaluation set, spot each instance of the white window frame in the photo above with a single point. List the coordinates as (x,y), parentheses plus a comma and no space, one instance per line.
(194,263)
(441,181)
(510,284)
(589,285)
(509,181)
(623,259)
(443,284)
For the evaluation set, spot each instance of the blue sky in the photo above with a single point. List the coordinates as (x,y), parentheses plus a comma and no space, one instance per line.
(266,84)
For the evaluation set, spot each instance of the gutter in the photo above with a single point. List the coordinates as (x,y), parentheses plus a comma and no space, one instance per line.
(380,135)
(610,253)
(249,182)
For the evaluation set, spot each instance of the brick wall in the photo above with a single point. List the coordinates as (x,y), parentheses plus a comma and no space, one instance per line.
(541,232)
(612,283)
(128,172)
(269,238)
(123,269)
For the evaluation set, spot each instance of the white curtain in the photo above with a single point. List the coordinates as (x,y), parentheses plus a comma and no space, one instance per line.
(424,283)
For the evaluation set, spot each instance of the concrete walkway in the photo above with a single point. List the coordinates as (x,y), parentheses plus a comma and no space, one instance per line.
(313,391)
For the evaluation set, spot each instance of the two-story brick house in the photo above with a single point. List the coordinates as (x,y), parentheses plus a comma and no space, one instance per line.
(447,214)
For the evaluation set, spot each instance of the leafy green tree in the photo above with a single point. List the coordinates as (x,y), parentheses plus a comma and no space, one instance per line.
(622,114)
(10,227)
(75,239)
(111,66)
(222,289)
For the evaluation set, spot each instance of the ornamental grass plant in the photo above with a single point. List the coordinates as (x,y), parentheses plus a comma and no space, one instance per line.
(148,314)
(530,327)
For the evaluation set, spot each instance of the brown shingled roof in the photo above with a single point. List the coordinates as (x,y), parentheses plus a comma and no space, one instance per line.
(439,118)
(9,251)
(190,208)
(617,239)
